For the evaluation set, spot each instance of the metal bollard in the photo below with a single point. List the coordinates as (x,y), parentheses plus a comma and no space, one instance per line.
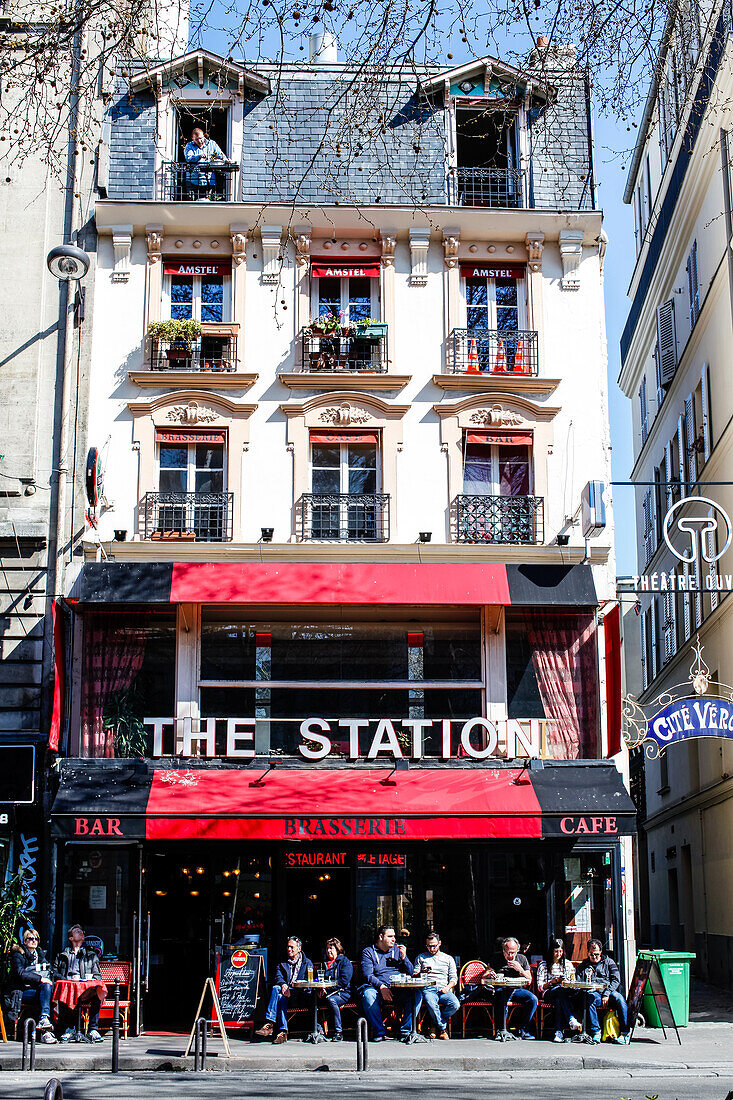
(362,1048)
(199,1049)
(26,1041)
(116,1030)
(53,1090)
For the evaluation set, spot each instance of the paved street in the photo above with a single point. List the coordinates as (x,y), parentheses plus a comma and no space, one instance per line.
(547,1085)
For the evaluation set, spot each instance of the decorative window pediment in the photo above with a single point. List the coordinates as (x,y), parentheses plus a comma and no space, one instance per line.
(203,71)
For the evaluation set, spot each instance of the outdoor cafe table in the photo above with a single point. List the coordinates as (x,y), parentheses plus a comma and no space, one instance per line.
(73,993)
(503,1035)
(315,987)
(400,981)
(583,987)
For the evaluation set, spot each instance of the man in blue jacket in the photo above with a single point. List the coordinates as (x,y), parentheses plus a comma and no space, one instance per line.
(379,963)
(293,969)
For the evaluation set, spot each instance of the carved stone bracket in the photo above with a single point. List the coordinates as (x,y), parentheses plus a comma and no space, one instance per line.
(450,250)
(571,253)
(495,415)
(122,244)
(239,248)
(154,237)
(388,247)
(535,247)
(271,254)
(344,414)
(302,250)
(193,413)
(419,245)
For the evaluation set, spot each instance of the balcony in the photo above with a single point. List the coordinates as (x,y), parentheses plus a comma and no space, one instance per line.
(494,187)
(214,352)
(214,182)
(492,351)
(343,517)
(499,519)
(195,517)
(345,354)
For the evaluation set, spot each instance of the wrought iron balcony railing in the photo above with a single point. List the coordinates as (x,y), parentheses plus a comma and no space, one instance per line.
(188,183)
(498,519)
(344,517)
(495,187)
(492,351)
(210,353)
(352,353)
(203,517)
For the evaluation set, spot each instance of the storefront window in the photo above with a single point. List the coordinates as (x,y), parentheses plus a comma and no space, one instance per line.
(552,673)
(99,885)
(584,902)
(291,671)
(128,673)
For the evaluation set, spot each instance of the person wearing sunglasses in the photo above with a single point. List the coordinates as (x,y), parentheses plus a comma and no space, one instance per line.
(30,974)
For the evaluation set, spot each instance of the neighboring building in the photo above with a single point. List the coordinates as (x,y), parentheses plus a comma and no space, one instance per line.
(377,529)
(675,355)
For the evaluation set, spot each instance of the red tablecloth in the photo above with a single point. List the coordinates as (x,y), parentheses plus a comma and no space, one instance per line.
(70,992)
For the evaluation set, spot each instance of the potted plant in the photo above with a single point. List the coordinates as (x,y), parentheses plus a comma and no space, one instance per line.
(327,324)
(178,334)
(121,715)
(371,329)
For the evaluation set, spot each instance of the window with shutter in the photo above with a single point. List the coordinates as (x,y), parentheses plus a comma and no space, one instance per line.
(711,550)
(669,475)
(693,286)
(644,656)
(668,625)
(691,439)
(643,411)
(659,501)
(654,618)
(697,595)
(681,458)
(658,376)
(667,342)
(707,419)
(647,507)
(686,604)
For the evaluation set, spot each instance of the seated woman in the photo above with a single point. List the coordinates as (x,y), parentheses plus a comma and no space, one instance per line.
(338,969)
(552,971)
(31,976)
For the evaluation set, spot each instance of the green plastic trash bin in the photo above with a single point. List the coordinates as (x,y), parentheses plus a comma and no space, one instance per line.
(675,968)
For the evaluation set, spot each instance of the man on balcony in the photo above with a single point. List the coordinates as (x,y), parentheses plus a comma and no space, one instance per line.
(202,148)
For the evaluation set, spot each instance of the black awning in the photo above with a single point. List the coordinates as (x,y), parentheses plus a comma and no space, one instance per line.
(101,799)
(548,585)
(583,800)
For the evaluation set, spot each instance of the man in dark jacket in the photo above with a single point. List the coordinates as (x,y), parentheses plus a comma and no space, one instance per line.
(31,976)
(79,963)
(510,964)
(293,969)
(603,970)
(379,963)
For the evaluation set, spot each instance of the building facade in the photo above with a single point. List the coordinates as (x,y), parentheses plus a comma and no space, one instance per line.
(675,372)
(345,635)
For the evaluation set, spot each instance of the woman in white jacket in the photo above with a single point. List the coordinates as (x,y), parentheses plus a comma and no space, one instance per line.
(554,969)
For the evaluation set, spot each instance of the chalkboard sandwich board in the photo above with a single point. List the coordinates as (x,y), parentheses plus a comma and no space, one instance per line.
(238,974)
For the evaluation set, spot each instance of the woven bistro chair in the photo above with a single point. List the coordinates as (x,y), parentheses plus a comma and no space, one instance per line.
(470,973)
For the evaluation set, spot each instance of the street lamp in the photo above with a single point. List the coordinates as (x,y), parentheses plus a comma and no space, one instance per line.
(67,262)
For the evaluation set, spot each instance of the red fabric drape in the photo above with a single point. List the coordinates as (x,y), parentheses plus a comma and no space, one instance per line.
(113,656)
(59,678)
(612,636)
(564,659)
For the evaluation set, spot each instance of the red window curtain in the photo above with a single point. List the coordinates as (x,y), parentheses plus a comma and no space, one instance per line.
(113,655)
(565,664)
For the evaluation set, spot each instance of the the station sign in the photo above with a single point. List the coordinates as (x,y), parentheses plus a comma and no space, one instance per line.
(355,738)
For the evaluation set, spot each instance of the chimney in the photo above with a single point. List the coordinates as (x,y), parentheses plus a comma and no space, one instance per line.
(323,49)
(542,42)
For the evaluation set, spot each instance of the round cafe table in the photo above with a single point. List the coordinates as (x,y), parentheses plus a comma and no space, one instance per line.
(315,987)
(504,1035)
(583,987)
(414,985)
(73,993)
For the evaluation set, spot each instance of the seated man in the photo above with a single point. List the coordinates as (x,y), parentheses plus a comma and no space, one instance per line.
(81,964)
(30,974)
(600,968)
(379,963)
(441,1001)
(510,964)
(293,969)
(200,148)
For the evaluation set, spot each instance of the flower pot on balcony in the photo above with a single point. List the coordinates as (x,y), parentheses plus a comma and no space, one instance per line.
(181,357)
(376,331)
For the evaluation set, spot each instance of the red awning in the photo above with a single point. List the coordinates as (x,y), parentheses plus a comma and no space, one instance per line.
(325,269)
(344,437)
(501,439)
(189,435)
(478,270)
(196,267)
(349,803)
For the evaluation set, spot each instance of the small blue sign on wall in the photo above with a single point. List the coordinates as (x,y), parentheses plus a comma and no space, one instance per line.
(696,717)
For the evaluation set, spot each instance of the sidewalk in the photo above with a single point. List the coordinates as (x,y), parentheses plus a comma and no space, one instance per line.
(707,1046)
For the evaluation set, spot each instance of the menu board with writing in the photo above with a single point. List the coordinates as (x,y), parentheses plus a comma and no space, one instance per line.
(647,977)
(239,972)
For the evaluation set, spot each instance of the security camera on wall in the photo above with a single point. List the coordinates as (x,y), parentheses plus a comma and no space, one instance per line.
(592,510)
